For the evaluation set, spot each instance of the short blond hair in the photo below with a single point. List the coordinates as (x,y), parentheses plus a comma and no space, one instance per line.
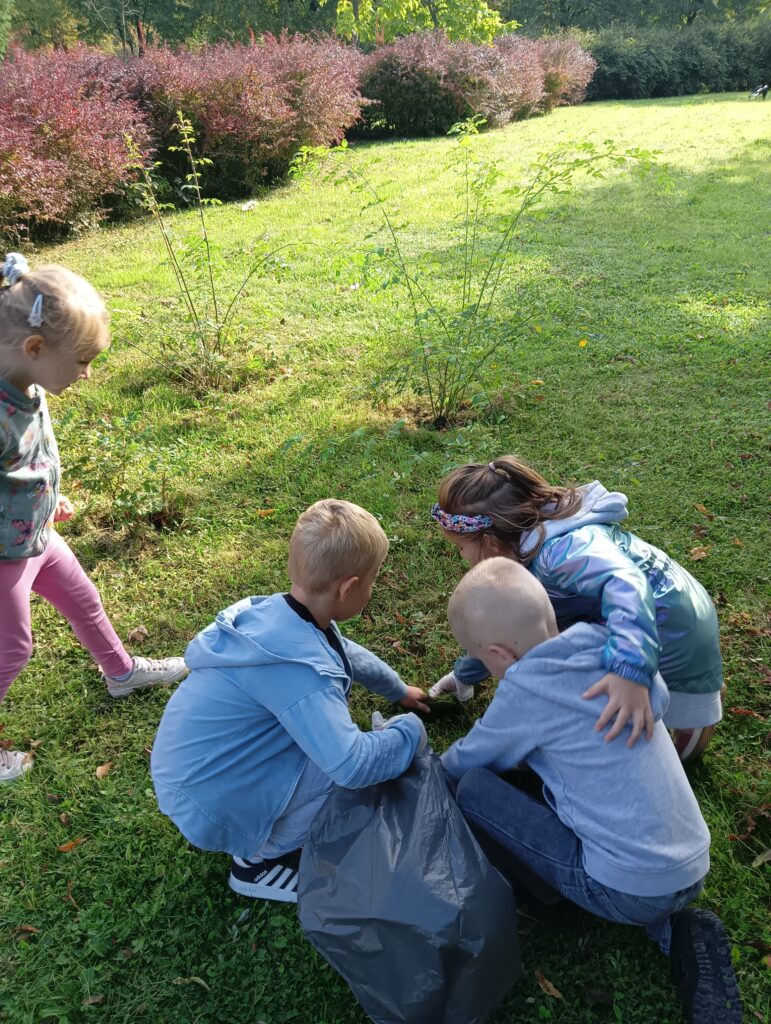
(334,539)
(74,314)
(499,602)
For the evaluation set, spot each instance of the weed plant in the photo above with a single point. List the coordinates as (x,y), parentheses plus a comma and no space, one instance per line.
(209,345)
(455,337)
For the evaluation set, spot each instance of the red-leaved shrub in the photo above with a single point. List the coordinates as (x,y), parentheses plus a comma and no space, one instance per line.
(252,107)
(568,69)
(416,84)
(62,148)
(65,115)
(423,83)
(524,74)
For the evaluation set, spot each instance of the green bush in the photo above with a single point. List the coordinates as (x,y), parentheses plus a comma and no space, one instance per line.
(641,63)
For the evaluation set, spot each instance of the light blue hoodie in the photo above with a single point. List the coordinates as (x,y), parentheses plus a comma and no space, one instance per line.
(659,617)
(633,810)
(265,693)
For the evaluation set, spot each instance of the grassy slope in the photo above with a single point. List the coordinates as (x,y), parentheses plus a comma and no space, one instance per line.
(667,280)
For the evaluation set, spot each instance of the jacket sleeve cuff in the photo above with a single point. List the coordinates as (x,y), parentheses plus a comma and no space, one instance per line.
(631,672)
(470,670)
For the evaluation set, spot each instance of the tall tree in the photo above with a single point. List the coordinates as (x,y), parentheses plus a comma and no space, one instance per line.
(6,14)
(382,20)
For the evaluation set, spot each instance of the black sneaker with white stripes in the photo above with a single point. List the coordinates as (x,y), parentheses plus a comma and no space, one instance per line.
(266,879)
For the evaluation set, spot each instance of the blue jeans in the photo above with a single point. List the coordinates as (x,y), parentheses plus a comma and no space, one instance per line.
(532,833)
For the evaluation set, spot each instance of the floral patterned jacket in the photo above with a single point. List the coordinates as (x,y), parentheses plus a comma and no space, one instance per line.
(29,472)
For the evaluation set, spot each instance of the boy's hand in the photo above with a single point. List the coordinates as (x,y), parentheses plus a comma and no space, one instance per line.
(625,700)
(416,698)
(64,510)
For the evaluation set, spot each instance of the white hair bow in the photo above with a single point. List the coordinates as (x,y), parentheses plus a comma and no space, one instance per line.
(35,318)
(15,267)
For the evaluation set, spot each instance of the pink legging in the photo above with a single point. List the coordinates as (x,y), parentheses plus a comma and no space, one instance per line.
(58,577)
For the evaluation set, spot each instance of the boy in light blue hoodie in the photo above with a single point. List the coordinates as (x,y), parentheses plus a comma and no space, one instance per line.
(620,832)
(251,745)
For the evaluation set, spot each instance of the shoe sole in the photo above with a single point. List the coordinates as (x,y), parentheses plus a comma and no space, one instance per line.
(256,891)
(709,1007)
(117,692)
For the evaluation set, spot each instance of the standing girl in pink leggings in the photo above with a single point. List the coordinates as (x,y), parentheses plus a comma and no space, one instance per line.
(52,324)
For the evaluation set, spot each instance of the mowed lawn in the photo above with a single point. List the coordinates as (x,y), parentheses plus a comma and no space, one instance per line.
(642,367)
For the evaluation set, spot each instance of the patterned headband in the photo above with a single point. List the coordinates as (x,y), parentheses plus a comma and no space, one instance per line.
(458,523)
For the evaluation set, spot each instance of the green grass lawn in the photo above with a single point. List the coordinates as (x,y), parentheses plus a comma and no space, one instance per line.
(665,277)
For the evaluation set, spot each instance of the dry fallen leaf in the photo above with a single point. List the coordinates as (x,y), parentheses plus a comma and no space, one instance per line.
(262,512)
(698,553)
(762,858)
(704,510)
(26,929)
(400,618)
(103,769)
(747,712)
(547,986)
(138,635)
(191,981)
(397,646)
(65,819)
(92,1000)
(68,847)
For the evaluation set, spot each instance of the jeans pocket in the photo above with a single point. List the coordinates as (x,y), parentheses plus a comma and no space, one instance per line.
(640,910)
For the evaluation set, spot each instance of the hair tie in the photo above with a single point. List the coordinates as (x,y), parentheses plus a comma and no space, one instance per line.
(492,466)
(14,267)
(460,523)
(35,318)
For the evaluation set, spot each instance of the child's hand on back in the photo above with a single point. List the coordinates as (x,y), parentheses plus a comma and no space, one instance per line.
(626,700)
(64,510)
(416,700)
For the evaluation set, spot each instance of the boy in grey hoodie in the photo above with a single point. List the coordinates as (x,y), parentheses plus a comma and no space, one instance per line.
(620,833)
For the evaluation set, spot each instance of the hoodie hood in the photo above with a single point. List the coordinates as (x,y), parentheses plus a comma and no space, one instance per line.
(261,631)
(599,507)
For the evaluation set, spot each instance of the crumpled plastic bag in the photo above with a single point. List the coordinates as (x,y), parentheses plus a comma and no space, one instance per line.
(396,894)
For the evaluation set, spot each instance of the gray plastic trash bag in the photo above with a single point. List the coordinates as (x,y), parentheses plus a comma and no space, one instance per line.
(396,894)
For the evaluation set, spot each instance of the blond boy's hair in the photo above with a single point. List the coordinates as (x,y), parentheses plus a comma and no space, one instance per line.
(74,317)
(499,602)
(334,539)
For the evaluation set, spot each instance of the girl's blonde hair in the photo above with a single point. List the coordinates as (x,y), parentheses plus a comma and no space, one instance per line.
(333,539)
(516,497)
(72,315)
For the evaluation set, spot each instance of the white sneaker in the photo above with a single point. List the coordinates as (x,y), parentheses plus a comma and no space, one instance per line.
(13,764)
(147,672)
(451,684)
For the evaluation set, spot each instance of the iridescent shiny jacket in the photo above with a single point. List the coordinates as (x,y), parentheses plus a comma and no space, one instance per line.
(658,616)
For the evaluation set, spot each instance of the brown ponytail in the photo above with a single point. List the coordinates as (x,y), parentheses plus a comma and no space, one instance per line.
(516,497)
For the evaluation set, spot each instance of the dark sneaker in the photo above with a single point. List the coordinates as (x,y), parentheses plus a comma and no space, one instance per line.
(700,957)
(690,744)
(266,879)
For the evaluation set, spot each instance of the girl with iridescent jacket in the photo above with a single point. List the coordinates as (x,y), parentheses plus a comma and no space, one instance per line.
(659,617)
